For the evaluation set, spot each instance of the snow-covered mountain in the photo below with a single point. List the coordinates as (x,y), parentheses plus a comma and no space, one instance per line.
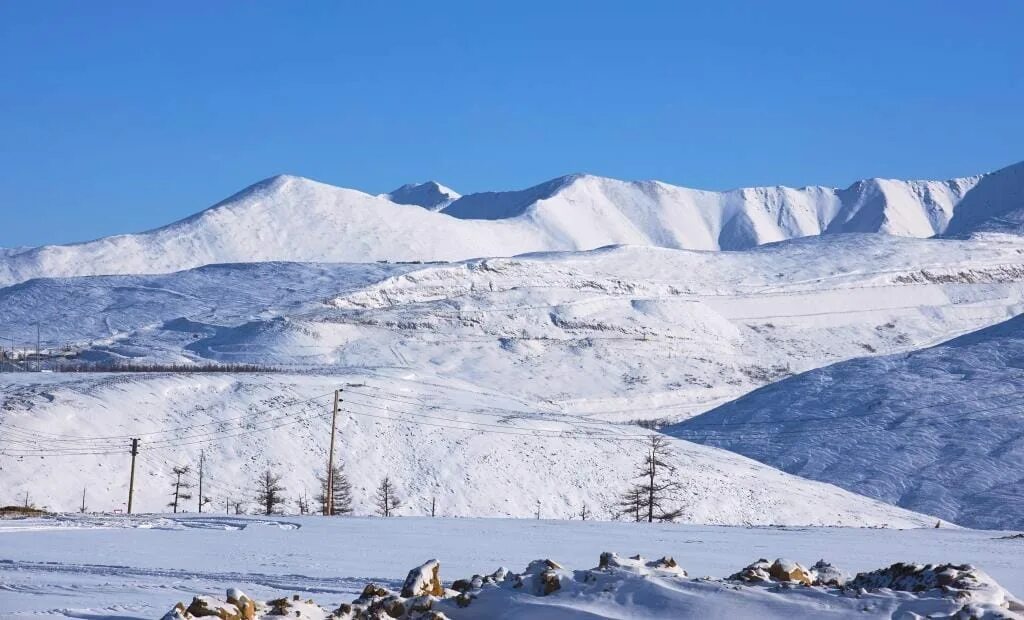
(937,430)
(430,195)
(295,219)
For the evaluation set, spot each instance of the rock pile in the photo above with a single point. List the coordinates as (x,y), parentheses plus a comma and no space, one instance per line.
(964,589)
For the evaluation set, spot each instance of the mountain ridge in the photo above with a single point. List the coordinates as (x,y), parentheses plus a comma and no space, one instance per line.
(288,217)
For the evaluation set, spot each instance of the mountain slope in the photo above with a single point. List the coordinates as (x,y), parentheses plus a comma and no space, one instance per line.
(637,333)
(282,218)
(939,430)
(479,455)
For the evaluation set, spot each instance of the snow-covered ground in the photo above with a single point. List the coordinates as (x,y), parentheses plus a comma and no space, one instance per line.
(573,344)
(939,430)
(287,218)
(636,333)
(95,567)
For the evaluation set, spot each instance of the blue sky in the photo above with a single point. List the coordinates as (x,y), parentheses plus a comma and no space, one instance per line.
(117,117)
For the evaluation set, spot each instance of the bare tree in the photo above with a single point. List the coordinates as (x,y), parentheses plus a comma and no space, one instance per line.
(584,512)
(538,509)
(342,495)
(630,505)
(269,491)
(303,503)
(387,497)
(181,487)
(239,507)
(651,498)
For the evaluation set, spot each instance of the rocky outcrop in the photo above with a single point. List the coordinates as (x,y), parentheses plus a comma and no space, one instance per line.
(958,591)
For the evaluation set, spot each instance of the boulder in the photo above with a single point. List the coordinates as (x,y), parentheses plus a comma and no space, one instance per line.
(753,573)
(209,607)
(789,571)
(825,574)
(424,580)
(372,590)
(177,613)
(246,606)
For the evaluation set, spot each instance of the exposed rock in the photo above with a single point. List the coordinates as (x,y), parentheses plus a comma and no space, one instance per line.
(962,582)
(246,606)
(825,574)
(372,590)
(753,573)
(789,571)
(425,579)
(209,607)
(462,585)
(177,613)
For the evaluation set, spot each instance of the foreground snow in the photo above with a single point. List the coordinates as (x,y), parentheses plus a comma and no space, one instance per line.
(93,567)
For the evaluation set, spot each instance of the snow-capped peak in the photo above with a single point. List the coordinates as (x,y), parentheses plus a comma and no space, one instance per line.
(430,195)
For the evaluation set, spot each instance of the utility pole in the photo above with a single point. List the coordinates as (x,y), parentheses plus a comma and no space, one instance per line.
(82,510)
(131,480)
(39,360)
(433,505)
(227,505)
(329,492)
(202,457)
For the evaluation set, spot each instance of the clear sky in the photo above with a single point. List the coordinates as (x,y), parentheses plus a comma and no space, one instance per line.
(118,117)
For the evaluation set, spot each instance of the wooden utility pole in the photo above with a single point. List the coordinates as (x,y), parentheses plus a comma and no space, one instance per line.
(433,505)
(202,457)
(131,480)
(82,510)
(650,490)
(329,492)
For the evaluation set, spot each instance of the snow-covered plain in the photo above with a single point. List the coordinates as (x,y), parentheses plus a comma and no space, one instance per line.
(93,567)
(287,218)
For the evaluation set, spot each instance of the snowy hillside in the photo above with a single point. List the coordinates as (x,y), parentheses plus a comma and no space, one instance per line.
(936,430)
(295,219)
(636,333)
(478,454)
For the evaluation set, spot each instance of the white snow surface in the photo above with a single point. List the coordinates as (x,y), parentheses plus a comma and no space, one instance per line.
(104,567)
(939,430)
(492,456)
(290,218)
(636,333)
